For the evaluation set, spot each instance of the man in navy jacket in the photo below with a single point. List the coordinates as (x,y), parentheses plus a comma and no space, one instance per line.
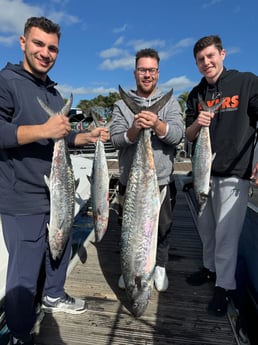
(26,147)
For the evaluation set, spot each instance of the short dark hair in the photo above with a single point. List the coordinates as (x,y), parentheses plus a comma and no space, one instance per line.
(44,24)
(207,41)
(147,52)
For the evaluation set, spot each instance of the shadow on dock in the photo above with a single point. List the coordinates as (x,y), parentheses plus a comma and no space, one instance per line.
(177,316)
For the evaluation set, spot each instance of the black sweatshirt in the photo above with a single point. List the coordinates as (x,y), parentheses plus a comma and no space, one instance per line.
(233,128)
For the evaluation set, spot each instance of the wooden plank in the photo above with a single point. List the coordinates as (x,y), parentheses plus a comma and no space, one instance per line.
(177,316)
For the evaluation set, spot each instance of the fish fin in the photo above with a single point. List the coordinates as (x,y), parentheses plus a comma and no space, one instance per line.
(214,107)
(109,123)
(46,180)
(76,183)
(114,207)
(129,101)
(66,108)
(217,105)
(89,179)
(95,119)
(64,111)
(213,156)
(94,243)
(155,108)
(163,194)
(43,105)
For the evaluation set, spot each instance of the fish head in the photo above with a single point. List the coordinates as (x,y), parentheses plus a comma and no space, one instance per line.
(100,229)
(139,294)
(202,199)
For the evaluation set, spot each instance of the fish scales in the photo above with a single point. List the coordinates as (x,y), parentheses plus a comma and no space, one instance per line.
(100,191)
(203,157)
(201,165)
(62,199)
(99,187)
(61,184)
(140,215)
(140,226)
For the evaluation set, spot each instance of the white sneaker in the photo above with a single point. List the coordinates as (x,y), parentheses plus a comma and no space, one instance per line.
(160,278)
(66,304)
(121,282)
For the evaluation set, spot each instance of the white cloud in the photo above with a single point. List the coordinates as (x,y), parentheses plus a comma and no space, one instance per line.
(66,90)
(178,84)
(111,52)
(232,50)
(119,41)
(126,63)
(114,58)
(141,44)
(11,23)
(62,17)
(8,40)
(177,48)
(211,3)
(121,29)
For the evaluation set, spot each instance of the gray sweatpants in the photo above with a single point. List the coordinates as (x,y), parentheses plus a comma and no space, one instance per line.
(220,224)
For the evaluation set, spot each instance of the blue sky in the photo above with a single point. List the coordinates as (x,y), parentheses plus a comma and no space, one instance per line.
(100,38)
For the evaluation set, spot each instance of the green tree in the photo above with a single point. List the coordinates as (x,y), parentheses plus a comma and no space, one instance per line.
(106,102)
(182,99)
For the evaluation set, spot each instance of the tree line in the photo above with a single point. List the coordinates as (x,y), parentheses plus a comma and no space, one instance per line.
(107,103)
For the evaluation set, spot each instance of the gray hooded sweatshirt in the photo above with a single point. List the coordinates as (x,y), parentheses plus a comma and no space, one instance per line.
(163,148)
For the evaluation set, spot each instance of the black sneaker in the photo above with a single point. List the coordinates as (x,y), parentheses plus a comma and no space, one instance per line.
(218,305)
(66,304)
(200,277)
(28,341)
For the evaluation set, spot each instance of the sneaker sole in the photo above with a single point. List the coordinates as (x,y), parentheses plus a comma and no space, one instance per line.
(51,310)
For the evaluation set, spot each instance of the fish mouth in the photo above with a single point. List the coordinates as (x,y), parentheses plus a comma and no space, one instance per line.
(139,298)
(138,308)
(202,198)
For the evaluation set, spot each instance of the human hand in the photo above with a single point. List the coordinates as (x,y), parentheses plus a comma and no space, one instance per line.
(99,132)
(145,119)
(56,127)
(254,176)
(204,118)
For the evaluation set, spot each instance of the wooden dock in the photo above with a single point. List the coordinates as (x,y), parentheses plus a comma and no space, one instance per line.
(175,317)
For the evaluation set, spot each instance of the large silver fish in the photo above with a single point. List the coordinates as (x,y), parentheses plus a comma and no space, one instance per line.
(99,188)
(202,159)
(62,185)
(140,218)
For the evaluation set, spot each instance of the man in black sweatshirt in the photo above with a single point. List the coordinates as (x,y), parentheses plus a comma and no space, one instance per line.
(232,130)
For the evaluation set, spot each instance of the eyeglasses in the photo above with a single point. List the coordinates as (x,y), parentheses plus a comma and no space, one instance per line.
(142,70)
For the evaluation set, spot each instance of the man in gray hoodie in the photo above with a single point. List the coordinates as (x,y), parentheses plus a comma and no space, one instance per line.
(166,132)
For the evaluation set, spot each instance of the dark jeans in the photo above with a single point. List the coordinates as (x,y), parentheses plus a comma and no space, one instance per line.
(27,243)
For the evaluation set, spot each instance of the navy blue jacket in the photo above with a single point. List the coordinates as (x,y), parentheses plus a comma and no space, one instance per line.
(22,167)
